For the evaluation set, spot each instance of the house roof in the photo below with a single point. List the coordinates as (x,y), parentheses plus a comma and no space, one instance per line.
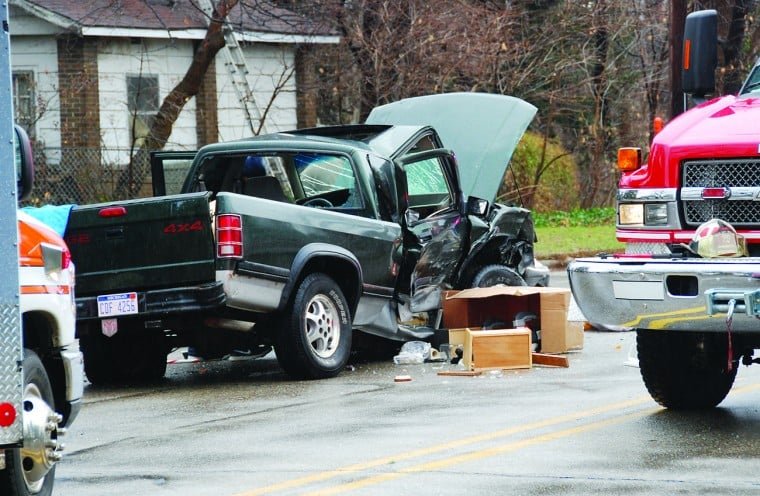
(253,20)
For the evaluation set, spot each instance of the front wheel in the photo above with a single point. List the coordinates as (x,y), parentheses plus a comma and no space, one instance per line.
(685,370)
(315,339)
(30,470)
(494,274)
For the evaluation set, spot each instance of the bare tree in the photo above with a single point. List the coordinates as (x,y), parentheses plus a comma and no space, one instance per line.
(161,125)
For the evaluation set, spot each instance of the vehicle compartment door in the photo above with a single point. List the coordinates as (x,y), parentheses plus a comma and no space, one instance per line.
(435,229)
(142,244)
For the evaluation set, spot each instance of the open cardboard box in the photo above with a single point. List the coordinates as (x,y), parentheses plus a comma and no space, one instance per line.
(482,307)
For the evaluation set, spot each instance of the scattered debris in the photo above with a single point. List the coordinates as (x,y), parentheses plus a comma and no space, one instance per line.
(550,360)
(460,373)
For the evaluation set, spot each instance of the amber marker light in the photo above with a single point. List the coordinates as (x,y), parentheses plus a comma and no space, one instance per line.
(657,124)
(629,158)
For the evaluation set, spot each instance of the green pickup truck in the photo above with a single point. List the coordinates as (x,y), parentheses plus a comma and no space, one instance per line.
(297,240)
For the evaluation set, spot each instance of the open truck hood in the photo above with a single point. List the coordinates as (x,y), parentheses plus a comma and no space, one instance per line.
(482,129)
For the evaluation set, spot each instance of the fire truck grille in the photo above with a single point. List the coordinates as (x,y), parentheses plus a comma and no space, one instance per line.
(720,173)
(736,213)
(716,174)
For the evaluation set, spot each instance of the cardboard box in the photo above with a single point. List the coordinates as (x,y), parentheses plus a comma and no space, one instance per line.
(497,349)
(498,306)
(562,342)
(457,337)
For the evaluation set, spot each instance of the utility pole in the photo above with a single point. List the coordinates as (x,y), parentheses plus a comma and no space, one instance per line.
(677,18)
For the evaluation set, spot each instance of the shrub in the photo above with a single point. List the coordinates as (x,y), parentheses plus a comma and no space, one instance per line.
(557,188)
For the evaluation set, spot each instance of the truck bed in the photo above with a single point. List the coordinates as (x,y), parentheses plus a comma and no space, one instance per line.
(673,294)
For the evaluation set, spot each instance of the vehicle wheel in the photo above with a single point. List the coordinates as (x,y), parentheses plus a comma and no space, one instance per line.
(491,275)
(315,339)
(142,355)
(99,365)
(30,470)
(684,370)
(132,355)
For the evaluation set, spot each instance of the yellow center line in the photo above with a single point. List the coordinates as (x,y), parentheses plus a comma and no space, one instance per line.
(473,455)
(496,450)
(479,454)
(322,476)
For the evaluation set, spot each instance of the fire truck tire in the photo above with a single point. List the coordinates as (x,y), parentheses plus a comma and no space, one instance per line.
(685,370)
(494,274)
(314,341)
(29,470)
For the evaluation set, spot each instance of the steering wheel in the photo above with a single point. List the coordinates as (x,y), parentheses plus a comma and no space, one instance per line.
(318,203)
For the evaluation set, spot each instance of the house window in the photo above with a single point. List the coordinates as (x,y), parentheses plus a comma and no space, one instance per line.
(142,102)
(23,100)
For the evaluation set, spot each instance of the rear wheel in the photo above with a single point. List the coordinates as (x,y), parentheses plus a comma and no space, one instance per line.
(685,370)
(315,339)
(494,274)
(30,470)
(132,355)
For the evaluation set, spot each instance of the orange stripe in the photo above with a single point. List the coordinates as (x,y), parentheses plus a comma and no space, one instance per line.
(60,289)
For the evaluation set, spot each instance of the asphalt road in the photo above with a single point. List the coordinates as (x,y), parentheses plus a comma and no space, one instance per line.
(243,428)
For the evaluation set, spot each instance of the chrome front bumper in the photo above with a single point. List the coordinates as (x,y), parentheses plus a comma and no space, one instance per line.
(689,294)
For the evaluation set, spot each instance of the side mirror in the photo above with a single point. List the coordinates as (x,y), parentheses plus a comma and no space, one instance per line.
(477,206)
(700,53)
(24,162)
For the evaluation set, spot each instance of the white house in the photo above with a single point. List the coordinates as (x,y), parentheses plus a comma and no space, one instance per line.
(91,74)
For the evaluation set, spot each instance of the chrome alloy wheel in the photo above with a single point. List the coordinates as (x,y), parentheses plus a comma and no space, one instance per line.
(41,448)
(322,326)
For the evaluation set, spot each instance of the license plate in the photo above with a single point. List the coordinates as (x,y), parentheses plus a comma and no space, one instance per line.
(117,304)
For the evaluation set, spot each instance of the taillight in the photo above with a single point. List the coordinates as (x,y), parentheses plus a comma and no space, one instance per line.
(229,236)
(7,414)
(112,212)
(66,258)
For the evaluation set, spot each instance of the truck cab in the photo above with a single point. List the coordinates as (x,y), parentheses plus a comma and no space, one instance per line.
(702,165)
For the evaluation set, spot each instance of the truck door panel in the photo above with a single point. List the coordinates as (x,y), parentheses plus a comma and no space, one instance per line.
(435,230)
(169,171)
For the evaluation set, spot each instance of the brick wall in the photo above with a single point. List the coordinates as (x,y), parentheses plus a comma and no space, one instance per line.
(206,117)
(78,88)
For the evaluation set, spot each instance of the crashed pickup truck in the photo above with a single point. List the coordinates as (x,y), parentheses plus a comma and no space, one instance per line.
(295,240)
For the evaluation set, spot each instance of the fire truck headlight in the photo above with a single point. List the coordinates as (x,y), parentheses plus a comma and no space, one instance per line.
(655,214)
(631,213)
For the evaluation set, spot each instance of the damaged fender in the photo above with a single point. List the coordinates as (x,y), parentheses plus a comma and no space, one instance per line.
(508,241)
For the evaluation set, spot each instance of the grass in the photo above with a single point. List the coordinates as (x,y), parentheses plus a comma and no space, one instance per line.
(576,233)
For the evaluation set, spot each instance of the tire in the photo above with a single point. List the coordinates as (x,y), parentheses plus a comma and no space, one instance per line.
(98,352)
(685,370)
(314,341)
(39,409)
(491,275)
(133,355)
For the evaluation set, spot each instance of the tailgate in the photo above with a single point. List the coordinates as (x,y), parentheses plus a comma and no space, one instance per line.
(142,244)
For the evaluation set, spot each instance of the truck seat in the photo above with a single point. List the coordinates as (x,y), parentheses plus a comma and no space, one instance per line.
(256,181)
(267,187)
